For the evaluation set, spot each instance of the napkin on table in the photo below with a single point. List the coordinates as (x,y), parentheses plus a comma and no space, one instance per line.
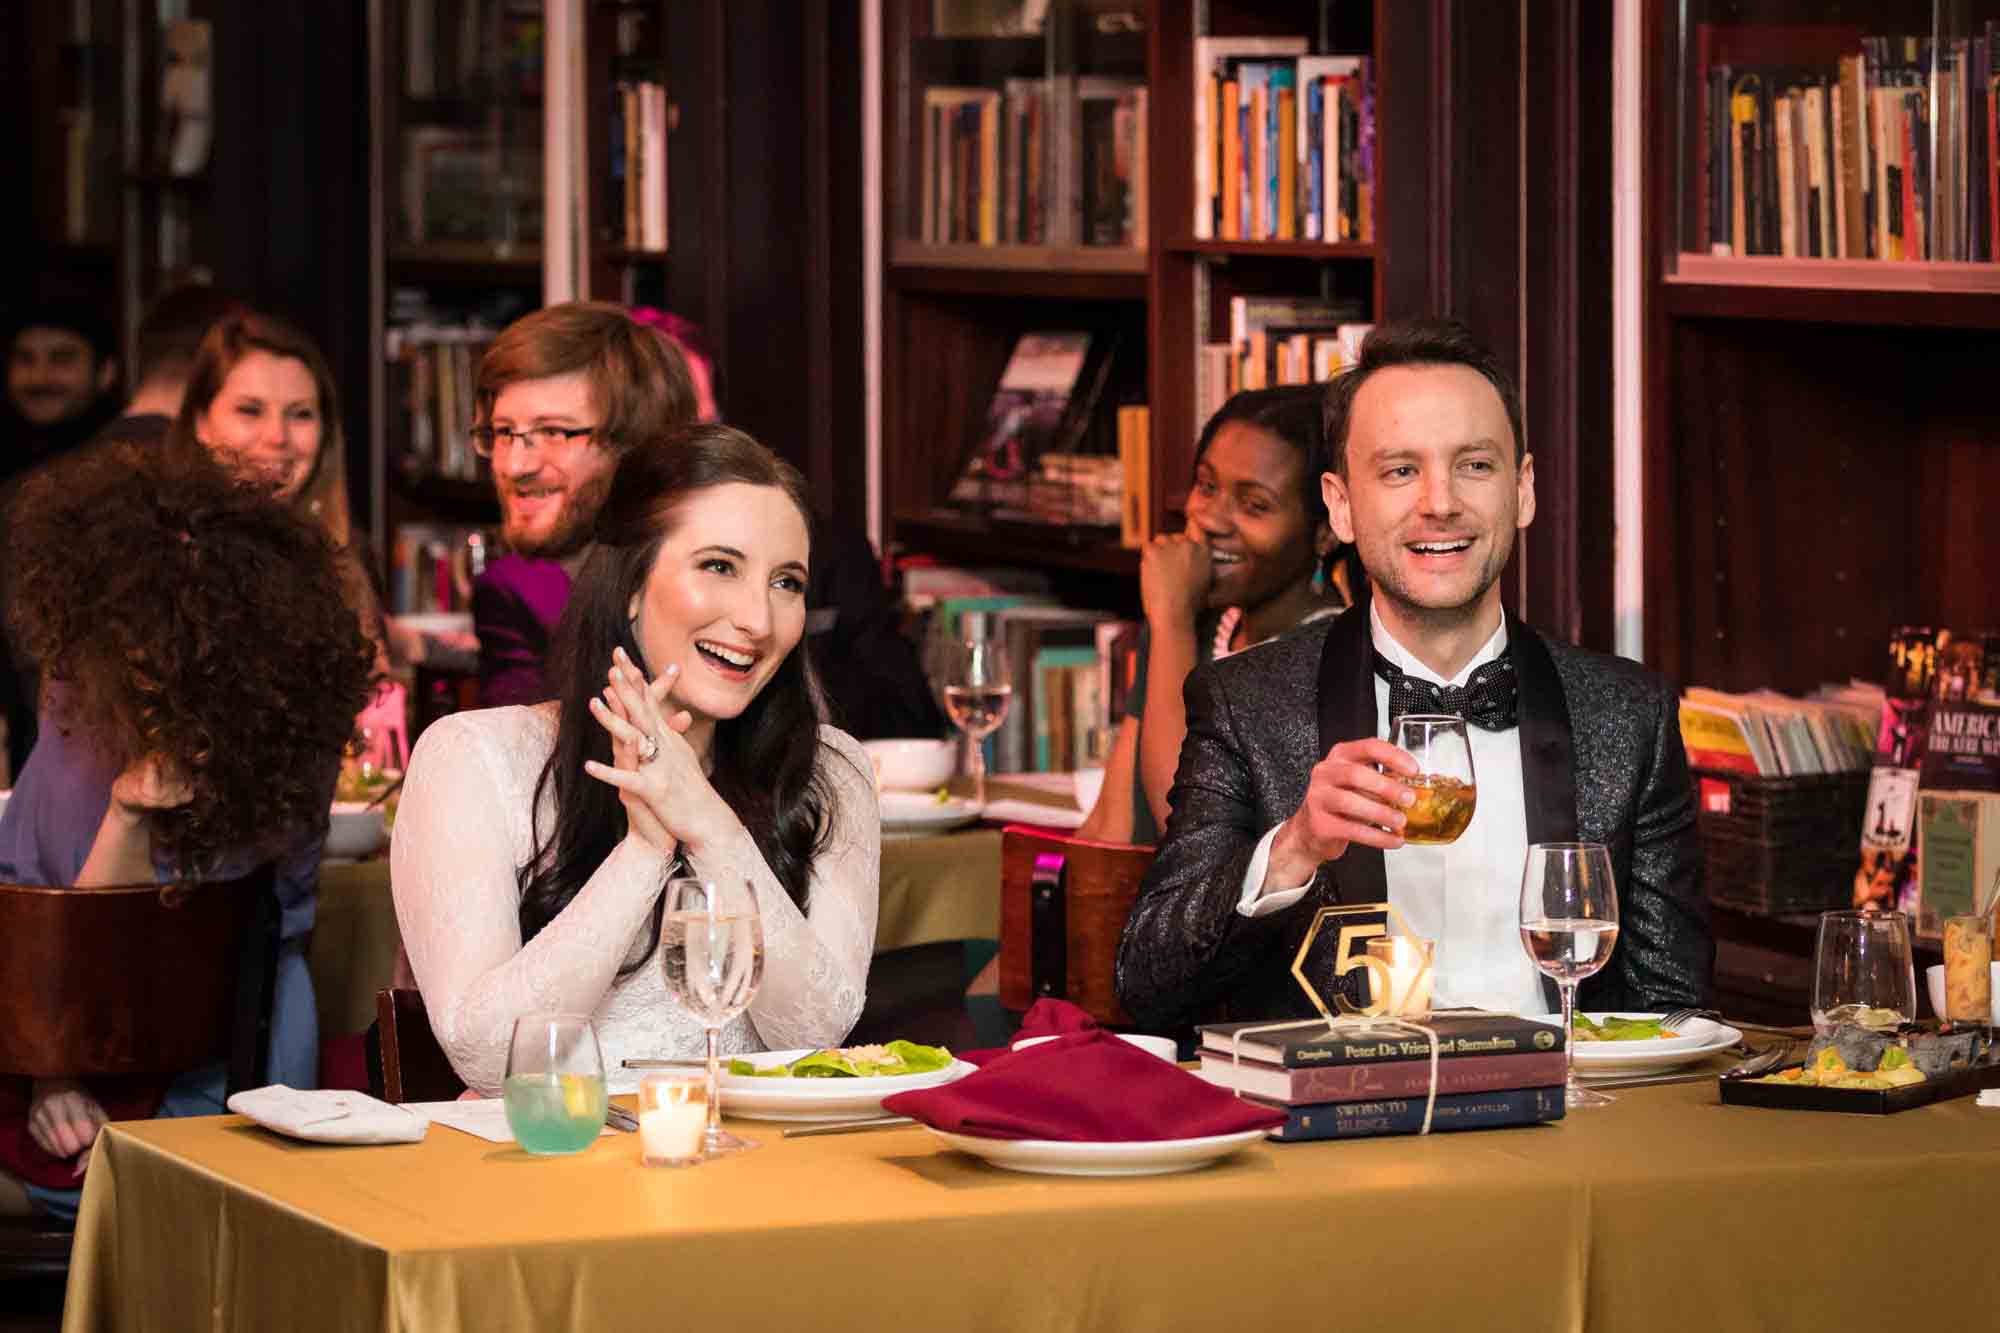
(1045,1018)
(329,1116)
(1087,1087)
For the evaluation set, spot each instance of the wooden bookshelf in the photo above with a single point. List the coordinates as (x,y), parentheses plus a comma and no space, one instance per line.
(1820,435)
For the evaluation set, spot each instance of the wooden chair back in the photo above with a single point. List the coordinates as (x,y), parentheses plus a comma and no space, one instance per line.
(1063,905)
(414,1066)
(130,979)
(137,978)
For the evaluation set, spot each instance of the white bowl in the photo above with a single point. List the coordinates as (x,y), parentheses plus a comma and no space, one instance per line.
(1160,1046)
(354,831)
(1089,786)
(913,765)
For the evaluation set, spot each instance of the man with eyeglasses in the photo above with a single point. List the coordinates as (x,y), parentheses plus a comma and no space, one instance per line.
(561,394)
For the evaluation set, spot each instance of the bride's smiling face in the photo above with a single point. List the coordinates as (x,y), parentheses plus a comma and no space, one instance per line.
(725,601)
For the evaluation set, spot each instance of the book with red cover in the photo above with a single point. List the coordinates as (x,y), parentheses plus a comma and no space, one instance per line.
(1397,1078)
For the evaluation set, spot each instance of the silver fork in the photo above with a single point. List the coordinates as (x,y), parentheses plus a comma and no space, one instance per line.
(1676,1017)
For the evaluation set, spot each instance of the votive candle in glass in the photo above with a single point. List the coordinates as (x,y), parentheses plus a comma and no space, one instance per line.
(673,1112)
(1406,961)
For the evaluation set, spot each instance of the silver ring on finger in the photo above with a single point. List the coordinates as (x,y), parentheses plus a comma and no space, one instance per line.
(649,748)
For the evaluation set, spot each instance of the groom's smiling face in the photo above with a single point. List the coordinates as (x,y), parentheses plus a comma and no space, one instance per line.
(1434,487)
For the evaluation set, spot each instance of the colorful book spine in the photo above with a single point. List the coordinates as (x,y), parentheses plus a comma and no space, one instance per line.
(1459,1034)
(1405,1115)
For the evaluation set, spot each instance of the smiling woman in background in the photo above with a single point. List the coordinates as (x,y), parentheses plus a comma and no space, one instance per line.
(532,843)
(1254,561)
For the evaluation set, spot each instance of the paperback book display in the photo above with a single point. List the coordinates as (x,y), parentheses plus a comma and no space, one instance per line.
(1030,463)
(1825,141)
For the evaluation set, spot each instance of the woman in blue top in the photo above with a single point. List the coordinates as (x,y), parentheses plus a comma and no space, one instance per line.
(201,672)
(1255,559)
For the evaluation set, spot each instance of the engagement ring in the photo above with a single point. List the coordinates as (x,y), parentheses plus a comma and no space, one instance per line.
(649,749)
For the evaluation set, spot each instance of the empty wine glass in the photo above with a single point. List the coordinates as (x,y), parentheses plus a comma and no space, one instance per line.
(977,690)
(554,1093)
(1447,792)
(712,946)
(1569,923)
(1862,971)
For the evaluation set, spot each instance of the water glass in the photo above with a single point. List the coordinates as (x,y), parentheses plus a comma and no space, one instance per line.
(977,691)
(712,946)
(554,1091)
(1862,971)
(1569,925)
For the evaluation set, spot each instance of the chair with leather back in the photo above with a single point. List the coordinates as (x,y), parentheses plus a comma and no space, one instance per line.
(1063,905)
(414,1066)
(136,979)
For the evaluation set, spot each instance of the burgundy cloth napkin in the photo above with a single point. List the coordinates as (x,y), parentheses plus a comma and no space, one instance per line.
(1045,1018)
(1087,1087)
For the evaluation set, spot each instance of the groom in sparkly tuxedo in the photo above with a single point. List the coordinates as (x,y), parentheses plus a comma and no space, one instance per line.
(1286,800)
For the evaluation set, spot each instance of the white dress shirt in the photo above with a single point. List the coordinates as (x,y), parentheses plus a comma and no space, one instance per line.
(1466,895)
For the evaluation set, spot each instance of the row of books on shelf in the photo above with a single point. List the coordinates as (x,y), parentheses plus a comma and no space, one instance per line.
(1492,1070)
(432,566)
(433,372)
(1035,162)
(1284,142)
(638,166)
(1824,143)
(1772,735)
(472,48)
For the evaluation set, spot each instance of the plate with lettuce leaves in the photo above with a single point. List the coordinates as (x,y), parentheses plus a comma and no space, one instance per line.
(1628,1044)
(835,1084)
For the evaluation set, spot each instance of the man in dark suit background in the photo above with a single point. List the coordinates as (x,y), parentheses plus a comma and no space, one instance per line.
(1286,800)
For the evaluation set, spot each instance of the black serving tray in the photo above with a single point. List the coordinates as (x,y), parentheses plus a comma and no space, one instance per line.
(1858,1101)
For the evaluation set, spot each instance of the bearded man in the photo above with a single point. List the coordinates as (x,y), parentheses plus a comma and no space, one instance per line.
(562,393)
(1287,800)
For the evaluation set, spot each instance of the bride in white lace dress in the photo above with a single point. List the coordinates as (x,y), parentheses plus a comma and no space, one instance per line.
(532,844)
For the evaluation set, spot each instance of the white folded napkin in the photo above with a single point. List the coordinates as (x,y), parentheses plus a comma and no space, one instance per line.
(329,1116)
(1990,1097)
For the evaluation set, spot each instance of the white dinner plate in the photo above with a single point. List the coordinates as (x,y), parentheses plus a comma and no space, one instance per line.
(811,1099)
(923,812)
(1699,1039)
(1149,1157)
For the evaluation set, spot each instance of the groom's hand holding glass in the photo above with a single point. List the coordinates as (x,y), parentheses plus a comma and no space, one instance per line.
(1355,794)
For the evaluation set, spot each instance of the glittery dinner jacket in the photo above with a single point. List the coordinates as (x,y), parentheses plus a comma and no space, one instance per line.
(1601,761)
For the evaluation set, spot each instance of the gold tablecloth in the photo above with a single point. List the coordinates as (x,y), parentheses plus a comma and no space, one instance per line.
(1666,1211)
(942,887)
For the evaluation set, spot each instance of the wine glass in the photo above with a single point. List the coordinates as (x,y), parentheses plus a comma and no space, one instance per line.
(977,690)
(712,946)
(1862,972)
(1447,792)
(1569,923)
(554,1092)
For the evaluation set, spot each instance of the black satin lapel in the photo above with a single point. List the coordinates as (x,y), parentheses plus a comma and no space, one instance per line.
(1548,768)
(1347,712)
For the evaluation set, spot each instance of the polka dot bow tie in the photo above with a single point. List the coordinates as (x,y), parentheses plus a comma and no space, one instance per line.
(1488,700)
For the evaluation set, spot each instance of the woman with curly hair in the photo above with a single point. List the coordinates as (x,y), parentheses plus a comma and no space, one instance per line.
(202,668)
(532,843)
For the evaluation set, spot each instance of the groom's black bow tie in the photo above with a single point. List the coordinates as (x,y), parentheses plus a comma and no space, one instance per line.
(1487,700)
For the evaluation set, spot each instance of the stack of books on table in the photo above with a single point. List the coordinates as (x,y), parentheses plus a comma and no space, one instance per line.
(1360,1082)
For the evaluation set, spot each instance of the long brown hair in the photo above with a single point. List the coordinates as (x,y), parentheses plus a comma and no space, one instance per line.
(766,759)
(228,341)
